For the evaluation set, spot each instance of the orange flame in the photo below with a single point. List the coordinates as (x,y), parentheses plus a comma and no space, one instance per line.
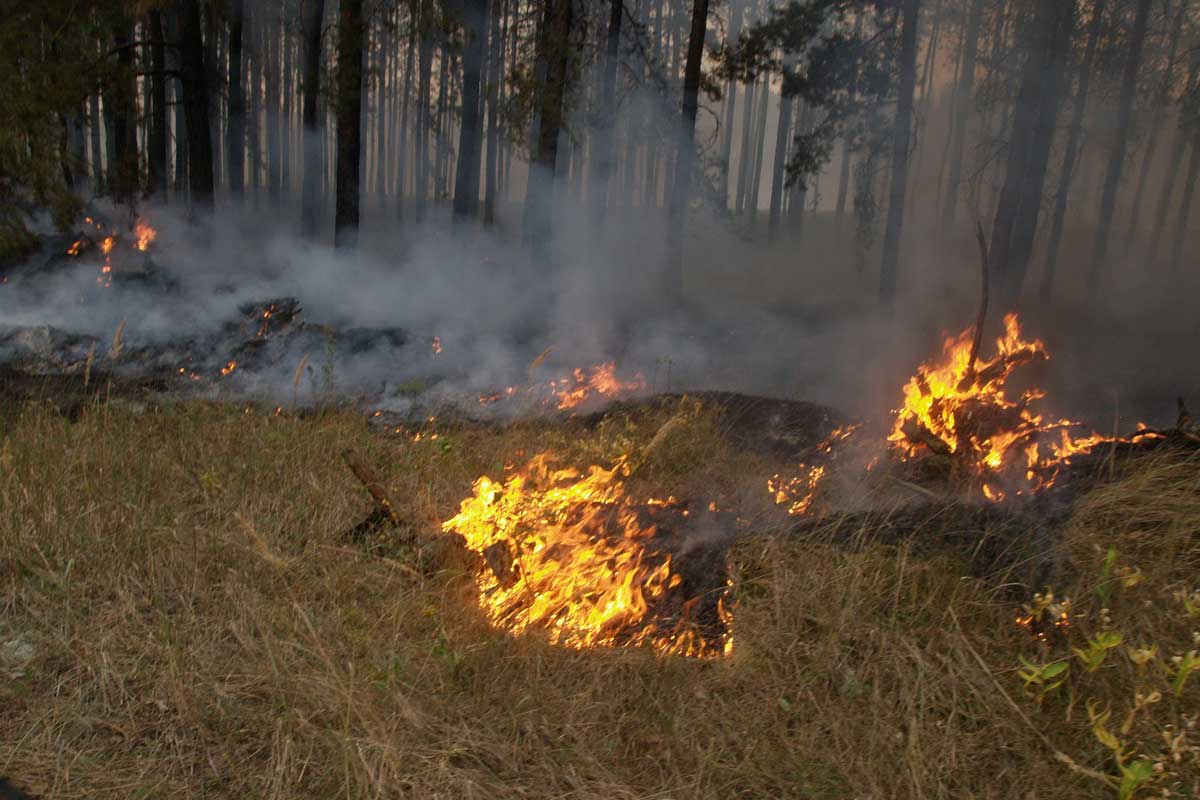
(107,243)
(75,248)
(959,409)
(602,380)
(567,554)
(145,235)
(228,368)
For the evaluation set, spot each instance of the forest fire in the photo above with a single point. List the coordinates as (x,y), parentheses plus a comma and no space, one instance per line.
(958,407)
(572,555)
(582,385)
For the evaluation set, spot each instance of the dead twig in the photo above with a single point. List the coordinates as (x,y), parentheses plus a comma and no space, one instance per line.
(983,299)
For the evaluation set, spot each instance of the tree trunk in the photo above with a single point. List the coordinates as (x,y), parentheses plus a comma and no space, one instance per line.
(286,87)
(402,156)
(194,74)
(555,50)
(94,123)
(1028,148)
(496,41)
(605,145)
(1044,126)
(351,32)
(424,110)
(1185,207)
(962,111)
(760,146)
(900,145)
(235,142)
(313,12)
(157,161)
(1162,103)
(1071,153)
(1116,160)
(685,152)
(782,131)
(122,96)
(747,153)
(470,140)
(735,30)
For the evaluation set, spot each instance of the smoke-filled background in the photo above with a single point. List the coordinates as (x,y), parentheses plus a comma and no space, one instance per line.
(781,200)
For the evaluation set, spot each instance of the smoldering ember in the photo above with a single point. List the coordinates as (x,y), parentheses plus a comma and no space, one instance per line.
(600,399)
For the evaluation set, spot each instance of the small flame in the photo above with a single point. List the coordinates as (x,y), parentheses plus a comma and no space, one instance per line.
(144,234)
(75,248)
(437,345)
(228,368)
(107,244)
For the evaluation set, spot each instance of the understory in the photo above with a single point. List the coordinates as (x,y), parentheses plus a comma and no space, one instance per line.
(182,614)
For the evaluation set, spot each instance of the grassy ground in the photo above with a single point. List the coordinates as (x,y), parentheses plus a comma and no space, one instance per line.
(181,616)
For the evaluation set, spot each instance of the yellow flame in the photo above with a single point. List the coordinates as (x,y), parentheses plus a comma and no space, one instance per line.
(565,553)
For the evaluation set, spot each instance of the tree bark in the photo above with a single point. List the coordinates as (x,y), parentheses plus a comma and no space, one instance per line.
(1162,103)
(1028,149)
(196,104)
(962,111)
(425,70)
(470,140)
(406,94)
(496,41)
(1071,153)
(555,49)
(685,152)
(782,132)
(157,160)
(901,138)
(1116,160)
(735,30)
(313,13)
(1044,126)
(605,133)
(351,32)
(235,142)
(122,96)
(1185,207)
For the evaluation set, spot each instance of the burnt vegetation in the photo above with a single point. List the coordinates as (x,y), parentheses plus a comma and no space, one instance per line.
(599,398)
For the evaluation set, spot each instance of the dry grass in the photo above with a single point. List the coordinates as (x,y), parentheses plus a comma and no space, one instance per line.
(180,617)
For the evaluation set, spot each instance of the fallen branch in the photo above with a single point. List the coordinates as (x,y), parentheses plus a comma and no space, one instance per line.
(366,476)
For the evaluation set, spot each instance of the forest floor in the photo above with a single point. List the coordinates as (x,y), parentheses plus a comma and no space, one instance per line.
(182,615)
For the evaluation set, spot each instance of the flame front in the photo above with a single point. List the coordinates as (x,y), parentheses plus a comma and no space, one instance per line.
(956,408)
(567,554)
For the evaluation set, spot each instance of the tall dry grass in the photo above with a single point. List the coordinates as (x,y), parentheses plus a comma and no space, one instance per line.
(181,617)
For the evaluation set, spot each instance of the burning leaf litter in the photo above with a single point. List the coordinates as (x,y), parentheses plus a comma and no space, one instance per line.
(572,554)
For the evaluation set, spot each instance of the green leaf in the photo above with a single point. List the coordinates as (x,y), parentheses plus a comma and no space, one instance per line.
(1133,775)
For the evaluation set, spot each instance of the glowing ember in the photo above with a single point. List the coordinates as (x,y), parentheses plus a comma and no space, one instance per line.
(228,368)
(569,554)
(144,234)
(797,493)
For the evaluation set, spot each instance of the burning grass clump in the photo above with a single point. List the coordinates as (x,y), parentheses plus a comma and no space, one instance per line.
(181,616)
